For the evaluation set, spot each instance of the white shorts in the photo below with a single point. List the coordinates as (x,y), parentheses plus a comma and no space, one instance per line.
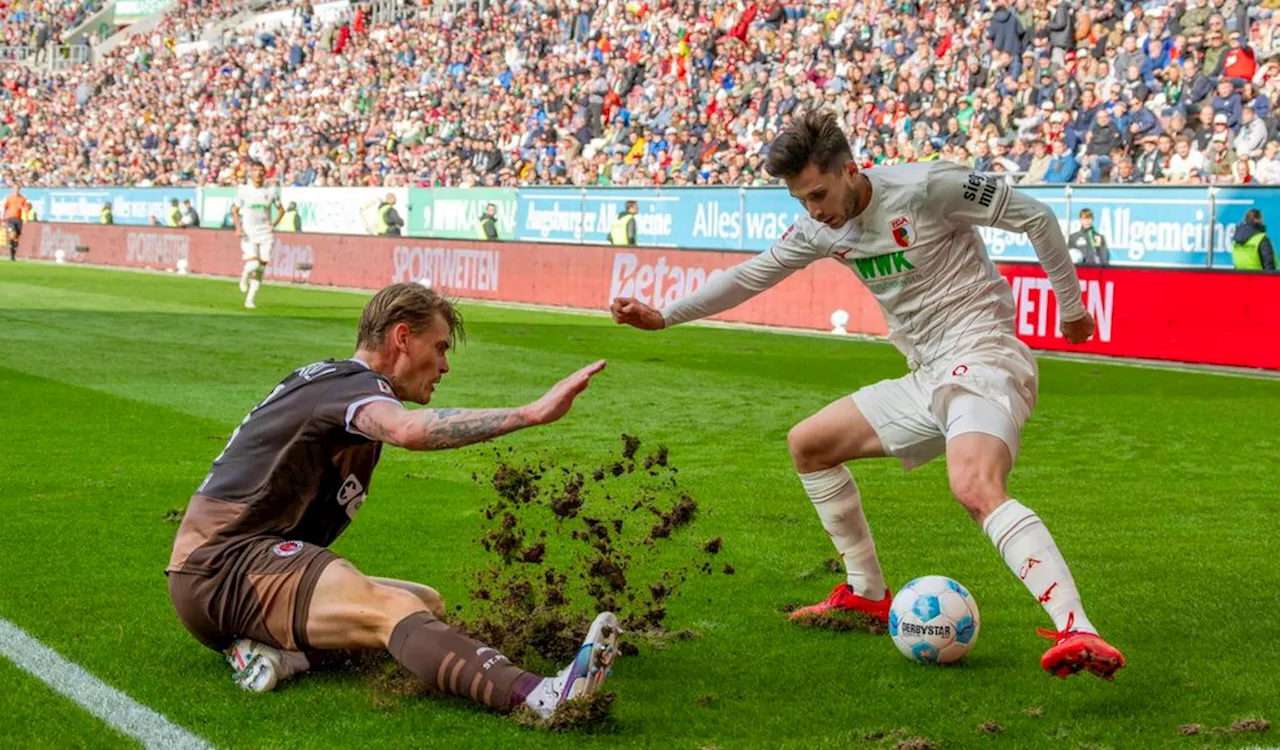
(257,249)
(991,391)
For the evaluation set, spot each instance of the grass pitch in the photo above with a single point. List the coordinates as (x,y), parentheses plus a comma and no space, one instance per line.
(1160,487)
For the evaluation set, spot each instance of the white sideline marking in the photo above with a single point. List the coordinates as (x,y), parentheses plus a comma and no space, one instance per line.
(95,696)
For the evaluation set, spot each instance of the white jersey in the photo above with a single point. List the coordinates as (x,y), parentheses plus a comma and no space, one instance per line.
(916,249)
(255,210)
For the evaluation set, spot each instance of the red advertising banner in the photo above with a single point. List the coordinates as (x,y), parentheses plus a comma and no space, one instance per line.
(1188,316)
(1205,317)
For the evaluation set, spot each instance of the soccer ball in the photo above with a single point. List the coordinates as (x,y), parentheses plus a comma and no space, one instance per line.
(933,620)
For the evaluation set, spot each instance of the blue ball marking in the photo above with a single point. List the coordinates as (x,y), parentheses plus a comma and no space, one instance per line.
(927,607)
(925,653)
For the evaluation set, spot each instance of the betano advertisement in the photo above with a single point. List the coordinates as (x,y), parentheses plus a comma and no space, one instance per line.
(1188,316)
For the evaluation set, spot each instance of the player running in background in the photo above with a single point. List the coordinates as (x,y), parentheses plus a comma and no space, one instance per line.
(251,574)
(251,213)
(908,233)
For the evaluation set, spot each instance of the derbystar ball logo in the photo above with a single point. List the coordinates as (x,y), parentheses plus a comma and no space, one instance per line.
(287,549)
(904,231)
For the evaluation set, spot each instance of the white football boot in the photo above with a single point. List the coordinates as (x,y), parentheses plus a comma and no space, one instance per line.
(258,668)
(585,674)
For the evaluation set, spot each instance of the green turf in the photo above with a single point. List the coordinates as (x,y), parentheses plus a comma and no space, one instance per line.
(40,719)
(1160,487)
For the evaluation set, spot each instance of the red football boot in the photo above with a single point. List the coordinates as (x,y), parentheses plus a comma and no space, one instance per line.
(1074,651)
(843,599)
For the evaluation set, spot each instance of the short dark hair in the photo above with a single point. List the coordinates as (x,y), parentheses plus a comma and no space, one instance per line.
(815,138)
(1086,213)
(406,302)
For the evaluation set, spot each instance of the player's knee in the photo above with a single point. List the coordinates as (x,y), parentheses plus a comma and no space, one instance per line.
(431,598)
(979,491)
(397,604)
(806,449)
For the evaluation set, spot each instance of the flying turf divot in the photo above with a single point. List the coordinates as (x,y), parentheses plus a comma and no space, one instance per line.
(565,542)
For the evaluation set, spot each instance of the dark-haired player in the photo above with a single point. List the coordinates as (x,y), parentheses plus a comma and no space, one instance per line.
(908,233)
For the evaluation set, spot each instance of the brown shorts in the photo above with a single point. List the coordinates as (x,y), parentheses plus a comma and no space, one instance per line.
(263,592)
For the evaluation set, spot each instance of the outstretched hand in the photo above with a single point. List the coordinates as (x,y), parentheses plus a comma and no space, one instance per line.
(633,312)
(557,401)
(1079,330)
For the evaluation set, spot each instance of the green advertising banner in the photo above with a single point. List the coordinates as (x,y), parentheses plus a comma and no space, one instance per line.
(215,207)
(128,11)
(334,210)
(454,213)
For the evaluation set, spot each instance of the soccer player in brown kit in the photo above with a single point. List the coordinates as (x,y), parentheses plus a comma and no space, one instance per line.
(251,574)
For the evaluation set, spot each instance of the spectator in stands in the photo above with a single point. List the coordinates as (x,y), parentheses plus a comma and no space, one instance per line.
(1063,166)
(1123,172)
(1240,63)
(1186,165)
(1221,159)
(1252,136)
(500,95)
(1101,139)
(1088,247)
(1153,165)
(1267,169)
(1251,249)
(1038,167)
(1227,102)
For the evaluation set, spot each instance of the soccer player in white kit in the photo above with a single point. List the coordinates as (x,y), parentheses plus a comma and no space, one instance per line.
(251,212)
(908,233)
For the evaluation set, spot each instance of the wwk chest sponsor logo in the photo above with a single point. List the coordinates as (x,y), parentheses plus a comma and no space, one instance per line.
(657,284)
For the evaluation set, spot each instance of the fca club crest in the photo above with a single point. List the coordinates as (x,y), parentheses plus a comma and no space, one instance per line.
(904,231)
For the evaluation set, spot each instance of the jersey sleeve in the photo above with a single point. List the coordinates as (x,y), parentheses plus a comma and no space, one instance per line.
(970,199)
(967,198)
(337,407)
(792,251)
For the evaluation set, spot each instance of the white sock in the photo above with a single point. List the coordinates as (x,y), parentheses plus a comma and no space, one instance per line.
(1028,549)
(544,698)
(248,269)
(253,289)
(835,497)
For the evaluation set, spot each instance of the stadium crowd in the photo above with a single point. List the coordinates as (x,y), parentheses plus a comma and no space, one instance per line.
(39,25)
(678,92)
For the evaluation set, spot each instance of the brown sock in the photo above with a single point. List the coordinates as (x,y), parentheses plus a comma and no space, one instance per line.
(456,664)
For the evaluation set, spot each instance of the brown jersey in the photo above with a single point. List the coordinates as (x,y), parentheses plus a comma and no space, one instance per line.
(295,468)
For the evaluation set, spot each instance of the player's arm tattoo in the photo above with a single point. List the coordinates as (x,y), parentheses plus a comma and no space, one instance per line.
(452,428)
(437,429)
